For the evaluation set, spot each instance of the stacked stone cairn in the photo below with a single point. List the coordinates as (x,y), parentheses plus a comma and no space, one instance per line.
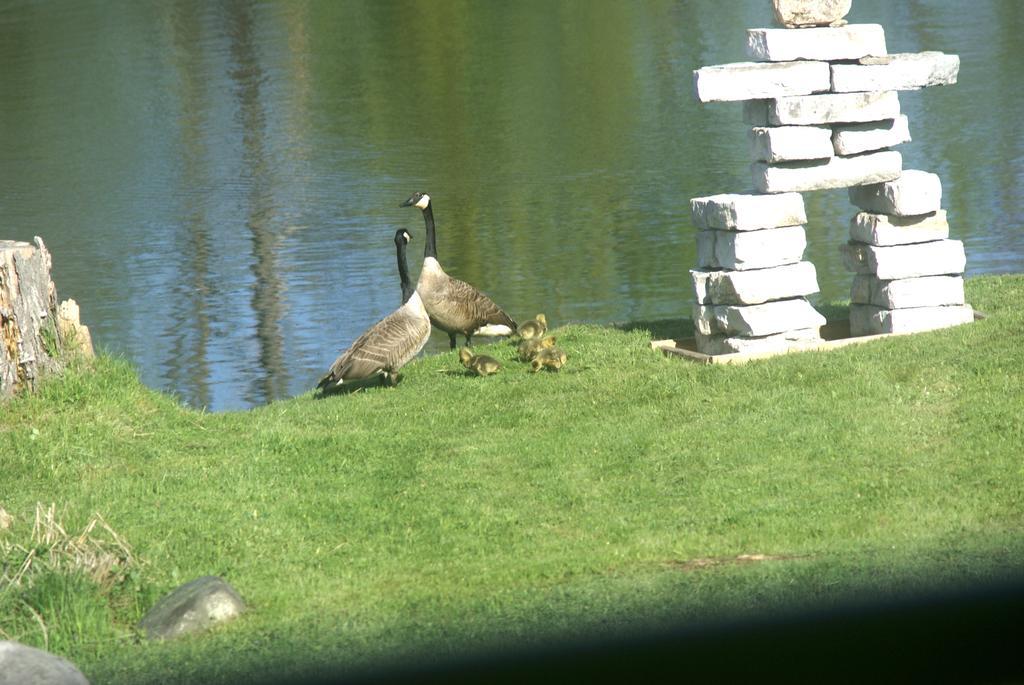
(822,100)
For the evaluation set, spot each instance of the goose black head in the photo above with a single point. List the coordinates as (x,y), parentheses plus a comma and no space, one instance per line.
(421,200)
(402,237)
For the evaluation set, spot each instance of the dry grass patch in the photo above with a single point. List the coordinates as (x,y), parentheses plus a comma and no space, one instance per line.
(709,562)
(98,552)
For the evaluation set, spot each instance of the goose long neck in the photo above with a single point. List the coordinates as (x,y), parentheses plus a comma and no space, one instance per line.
(403,273)
(430,248)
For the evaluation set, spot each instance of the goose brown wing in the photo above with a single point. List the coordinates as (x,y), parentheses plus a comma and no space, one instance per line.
(475,307)
(354,363)
(387,346)
(409,336)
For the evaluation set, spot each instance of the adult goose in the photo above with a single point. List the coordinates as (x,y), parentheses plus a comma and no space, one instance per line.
(390,343)
(454,306)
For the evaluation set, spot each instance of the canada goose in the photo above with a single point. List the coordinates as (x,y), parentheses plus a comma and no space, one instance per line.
(549,358)
(480,364)
(528,349)
(390,343)
(534,328)
(454,306)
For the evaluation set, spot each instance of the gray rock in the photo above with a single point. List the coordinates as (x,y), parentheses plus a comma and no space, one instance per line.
(866,319)
(852,41)
(832,108)
(788,143)
(852,139)
(837,172)
(887,229)
(725,344)
(750,80)
(755,286)
(24,665)
(192,607)
(913,193)
(936,258)
(793,13)
(926,291)
(751,249)
(747,212)
(756,320)
(905,71)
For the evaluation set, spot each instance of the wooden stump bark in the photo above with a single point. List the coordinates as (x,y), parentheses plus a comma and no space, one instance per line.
(36,334)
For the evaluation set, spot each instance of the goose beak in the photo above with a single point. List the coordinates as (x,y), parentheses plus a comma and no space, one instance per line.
(410,202)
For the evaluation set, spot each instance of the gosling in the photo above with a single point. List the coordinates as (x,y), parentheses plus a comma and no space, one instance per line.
(480,364)
(550,358)
(534,328)
(528,349)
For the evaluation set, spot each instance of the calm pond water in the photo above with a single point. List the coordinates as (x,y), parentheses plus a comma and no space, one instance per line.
(219,182)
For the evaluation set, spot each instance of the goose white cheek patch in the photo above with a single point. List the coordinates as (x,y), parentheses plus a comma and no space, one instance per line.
(424,201)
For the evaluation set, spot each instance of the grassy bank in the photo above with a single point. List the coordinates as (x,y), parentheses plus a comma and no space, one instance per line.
(457,511)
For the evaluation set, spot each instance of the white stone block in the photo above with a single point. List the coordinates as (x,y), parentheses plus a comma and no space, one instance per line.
(787,143)
(905,71)
(866,319)
(886,229)
(777,342)
(833,108)
(852,139)
(793,13)
(914,192)
(756,319)
(751,249)
(745,212)
(837,172)
(829,43)
(751,80)
(755,286)
(941,257)
(927,291)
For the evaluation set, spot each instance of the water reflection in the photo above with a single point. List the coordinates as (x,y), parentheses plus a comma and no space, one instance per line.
(218,182)
(269,377)
(188,368)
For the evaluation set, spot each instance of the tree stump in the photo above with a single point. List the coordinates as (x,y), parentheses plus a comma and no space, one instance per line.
(35,334)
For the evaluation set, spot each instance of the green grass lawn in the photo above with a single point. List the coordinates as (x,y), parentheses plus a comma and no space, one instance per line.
(457,512)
